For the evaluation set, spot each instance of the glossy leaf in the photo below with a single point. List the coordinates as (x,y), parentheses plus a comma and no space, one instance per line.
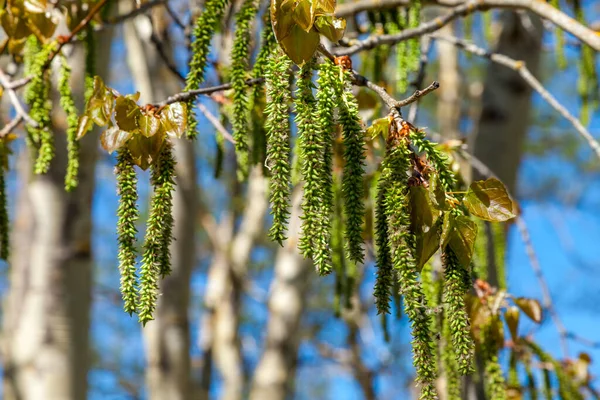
(304,14)
(437,194)
(149,125)
(114,138)
(84,126)
(459,233)
(42,25)
(325,6)
(282,18)
(35,6)
(531,307)
(511,316)
(425,224)
(145,150)
(127,114)
(174,119)
(489,200)
(379,127)
(299,45)
(331,27)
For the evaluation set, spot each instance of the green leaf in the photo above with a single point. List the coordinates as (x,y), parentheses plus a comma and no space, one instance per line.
(149,124)
(174,119)
(304,14)
(331,27)
(531,307)
(437,194)
(127,114)
(511,316)
(84,126)
(282,18)
(42,24)
(379,127)
(425,224)
(325,6)
(145,150)
(459,233)
(489,200)
(300,46)
(114,138)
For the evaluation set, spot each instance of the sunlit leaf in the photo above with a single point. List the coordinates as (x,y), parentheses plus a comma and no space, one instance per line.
(113,138)
(14,26)
(425,225)
(300,46)
(84,126)
(99,110)
(144,150)
(325,6)
(304,14)
(36,6)
(149,125)
(437,194)
(531,307)
(281,19)
(459,233)
(127,114)
(489,200)
(174,119)
(379,127)
(42,25)
(331,27)
(511,316)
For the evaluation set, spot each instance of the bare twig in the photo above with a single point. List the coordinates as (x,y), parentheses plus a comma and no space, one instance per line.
(216,123)
(463,8)
(531,80)
(185,96)
(14,99)
(11,125)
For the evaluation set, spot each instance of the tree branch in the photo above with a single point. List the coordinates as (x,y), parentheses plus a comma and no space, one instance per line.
(521,68)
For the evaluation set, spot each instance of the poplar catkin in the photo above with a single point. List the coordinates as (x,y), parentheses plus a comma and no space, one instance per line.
(155,260)
(126,228)
(239,72)
(204,29)
(278,142)
(68,105)
(352,178)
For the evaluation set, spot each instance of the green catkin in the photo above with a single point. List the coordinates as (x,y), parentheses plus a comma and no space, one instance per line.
(559,38)
(495,385)
(352,182)
(338,258)
(257,99)
(454,298)
(499,238)
(449,363)
(547,384)
(204,29)
(414,18)
(68,105)
(402,243)
(436,158)
(155,260)
(4,219)
(487,20)
(315,236)
(126,227)
(402,59)
(480,252)
(37,96)
(384,280)
(239,72)
(513,374)
(278,142)
(531,383)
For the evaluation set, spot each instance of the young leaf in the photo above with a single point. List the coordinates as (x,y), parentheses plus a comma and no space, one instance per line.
(531,307)
(459,232)
(85,123)
(299,45)
(489,200)
(127,114)
(304,14)
(512,320)
(149,125)
(174,119)
(114,138)
(437,195)
(330,27)
(379,127)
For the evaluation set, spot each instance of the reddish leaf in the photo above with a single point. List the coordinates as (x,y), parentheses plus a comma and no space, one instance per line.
(114,138)
(174,119)
(304,14)
(531,307)
(84,126)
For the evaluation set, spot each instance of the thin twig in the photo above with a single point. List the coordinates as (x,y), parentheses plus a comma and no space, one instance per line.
(14,99)
(11,125)
(185,96)
(521,68)
(462,8)
(216,123)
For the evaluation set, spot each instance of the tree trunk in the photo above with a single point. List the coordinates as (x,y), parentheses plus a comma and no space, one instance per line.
(45,342)
(168,373)
(276,369)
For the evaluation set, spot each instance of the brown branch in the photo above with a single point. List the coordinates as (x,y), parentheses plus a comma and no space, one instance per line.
(531,80)
(462,9)
(192,94)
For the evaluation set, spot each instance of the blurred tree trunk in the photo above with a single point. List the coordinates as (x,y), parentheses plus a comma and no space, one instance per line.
(45,344)
(276,369)
(168,374)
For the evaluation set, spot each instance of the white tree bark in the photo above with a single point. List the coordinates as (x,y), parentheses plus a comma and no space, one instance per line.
(45,345)
(277,366)
(167,338)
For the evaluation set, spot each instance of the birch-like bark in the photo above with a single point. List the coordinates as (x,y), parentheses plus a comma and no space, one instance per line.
(276,369)
(167,338)
(45,344)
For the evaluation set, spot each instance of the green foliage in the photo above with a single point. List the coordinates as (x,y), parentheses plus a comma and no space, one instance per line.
(384,281)
(457,283)
(37,96)
(126,227)
(278,142)
(353,176)
(68,105)
(314,240)
(239,73)
(204,29)
(155,260)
